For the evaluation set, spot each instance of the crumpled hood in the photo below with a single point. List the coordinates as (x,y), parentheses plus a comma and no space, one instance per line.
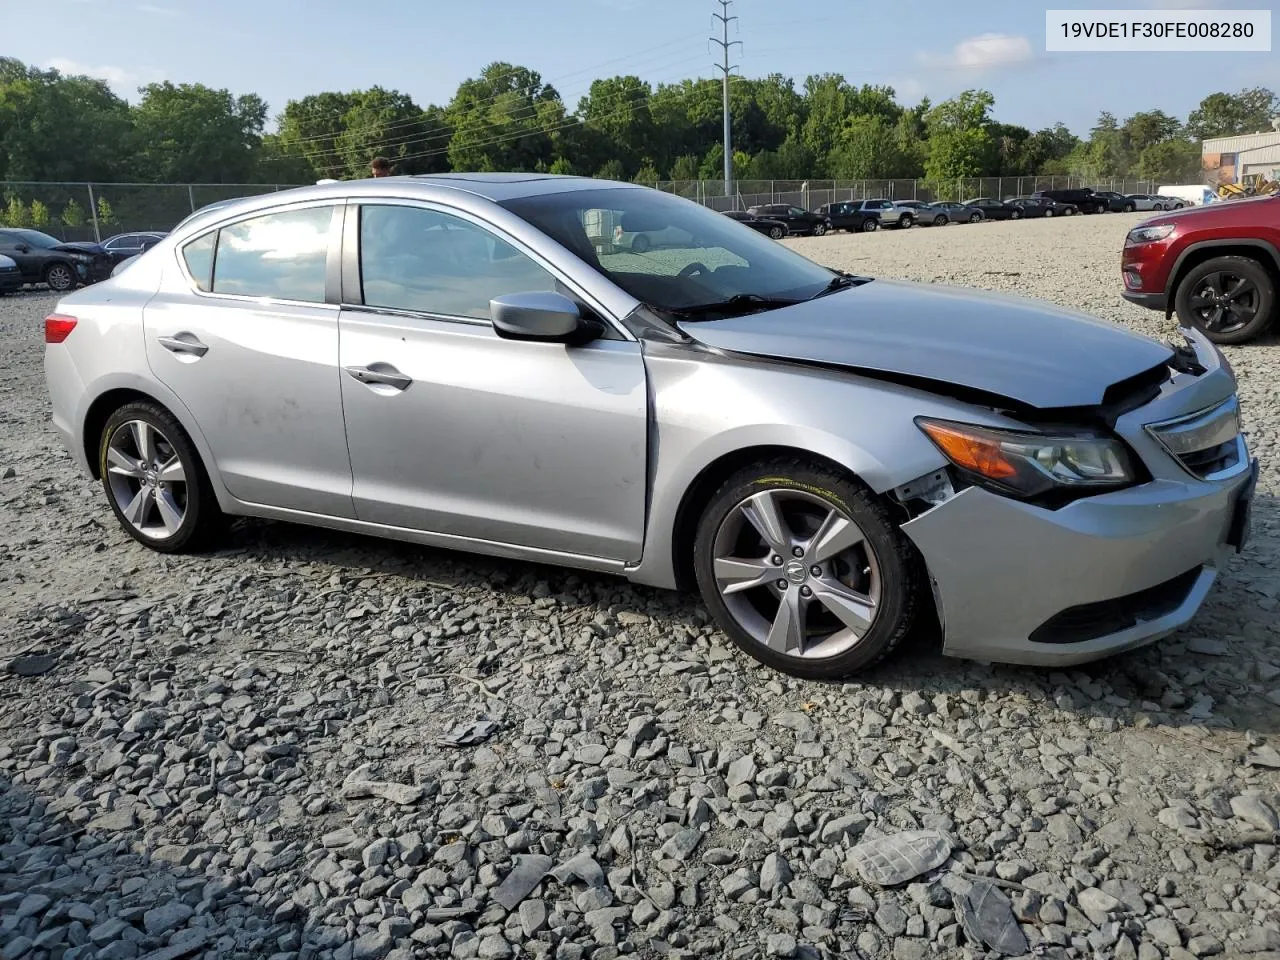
(1028,351)
(76,246)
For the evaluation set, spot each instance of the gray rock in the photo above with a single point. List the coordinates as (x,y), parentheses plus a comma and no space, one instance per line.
(584,867)
(1096,905)
(1260,940)
(372,946)
(166,918)
(891,918)
(533,917)
(682,844)
(896,858)
(780,945)
(1163,930)
(493,947)
(32,665)
(1254,811)
(32,904)
(774,873)
(742,770)
(525,875)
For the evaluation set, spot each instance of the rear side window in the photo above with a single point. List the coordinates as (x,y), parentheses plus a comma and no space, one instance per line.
(279,255)
(198,255)
(430,262)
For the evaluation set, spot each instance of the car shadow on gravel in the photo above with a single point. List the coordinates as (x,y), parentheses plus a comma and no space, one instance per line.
(76,881)
(1218,655)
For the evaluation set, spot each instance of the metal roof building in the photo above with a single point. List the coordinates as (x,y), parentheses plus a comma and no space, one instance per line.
(1227,159)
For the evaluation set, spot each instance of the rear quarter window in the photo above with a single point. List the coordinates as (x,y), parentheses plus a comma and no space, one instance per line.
(198,255)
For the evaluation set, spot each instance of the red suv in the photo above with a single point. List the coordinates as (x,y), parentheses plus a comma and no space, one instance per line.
(1217,266)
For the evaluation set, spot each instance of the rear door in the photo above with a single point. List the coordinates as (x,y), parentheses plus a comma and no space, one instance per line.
(251,349)
(468,434)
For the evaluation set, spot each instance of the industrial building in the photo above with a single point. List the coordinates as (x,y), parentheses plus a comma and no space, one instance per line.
(1231,159)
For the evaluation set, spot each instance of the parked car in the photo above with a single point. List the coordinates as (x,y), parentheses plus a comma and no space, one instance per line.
(10,275)
(1082,198)
(892,213)
(688,426)
(1191,195)
(797,219)
(993,209)
(775,229)
(1116,202)
(1046,206)
(1217,267)
(45,259)
(851,215)
(923,213)
(125,245)
(652,239)
(955,212)
(1145,201)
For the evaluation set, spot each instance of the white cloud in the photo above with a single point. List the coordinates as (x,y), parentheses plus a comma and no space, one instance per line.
(156,10)
(123,82)
(987,51)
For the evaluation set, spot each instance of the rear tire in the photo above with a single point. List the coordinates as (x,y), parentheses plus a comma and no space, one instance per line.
(1245,310)
(1049,212)
(819,229)
(640,244)
(154,480)
(1015,215)
(870,225)
(906,222)
(862,555)
(975,218)
(776,233)
(940,220)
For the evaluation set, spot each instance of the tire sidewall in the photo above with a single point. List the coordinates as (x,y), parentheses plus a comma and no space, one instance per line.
(1244,266)
(899,579)
(202,506)
(51,269)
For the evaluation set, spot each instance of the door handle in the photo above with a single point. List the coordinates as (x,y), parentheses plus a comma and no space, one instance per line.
(178,345)
(390,377)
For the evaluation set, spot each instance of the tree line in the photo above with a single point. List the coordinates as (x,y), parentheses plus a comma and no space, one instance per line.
(74,128)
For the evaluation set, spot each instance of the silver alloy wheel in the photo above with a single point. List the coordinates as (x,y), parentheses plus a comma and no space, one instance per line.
(797,574)
(147,479)
(59,277)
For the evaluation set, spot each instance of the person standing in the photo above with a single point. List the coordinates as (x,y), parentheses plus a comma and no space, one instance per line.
(380,167)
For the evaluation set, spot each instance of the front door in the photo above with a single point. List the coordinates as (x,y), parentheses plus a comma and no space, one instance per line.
(30,260)
(254,357)
(462,432)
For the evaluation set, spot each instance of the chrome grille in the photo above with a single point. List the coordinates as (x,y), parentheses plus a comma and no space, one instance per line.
(1208,444)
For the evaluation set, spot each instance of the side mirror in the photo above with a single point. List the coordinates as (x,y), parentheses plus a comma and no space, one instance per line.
(22,248)
(541,315)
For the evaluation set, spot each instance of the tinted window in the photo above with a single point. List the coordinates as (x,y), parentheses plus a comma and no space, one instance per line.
(415,259)
(279,255)
(199,257)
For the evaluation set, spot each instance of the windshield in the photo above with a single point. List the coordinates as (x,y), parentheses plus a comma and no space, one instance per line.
(34,238)
(671,253)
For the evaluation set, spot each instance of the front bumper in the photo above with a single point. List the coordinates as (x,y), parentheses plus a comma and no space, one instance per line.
(1004,571)
(1152,301)
(11,282)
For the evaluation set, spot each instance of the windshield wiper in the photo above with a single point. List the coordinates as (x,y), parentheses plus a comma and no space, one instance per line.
(841,281)
(738,303)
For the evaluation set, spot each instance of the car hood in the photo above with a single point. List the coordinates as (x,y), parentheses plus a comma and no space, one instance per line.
(1227,209)
(81,247)
(1026,351)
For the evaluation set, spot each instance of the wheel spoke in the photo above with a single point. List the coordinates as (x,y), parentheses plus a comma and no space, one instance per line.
(855,610)
(735,575)
(835,536)
(787,633)
(1243,287)
(172,471)
(144,440)
(762,512)
(123,464)
(170,513)
(137,509)
(1201,302)
(1214,282)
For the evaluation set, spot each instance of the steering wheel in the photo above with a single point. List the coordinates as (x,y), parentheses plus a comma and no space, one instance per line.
(690,269)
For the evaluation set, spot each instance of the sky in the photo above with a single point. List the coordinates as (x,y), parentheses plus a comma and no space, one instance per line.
(283,49)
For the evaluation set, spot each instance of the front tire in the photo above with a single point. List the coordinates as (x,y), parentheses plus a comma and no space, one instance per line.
(154,480)
(975,218)
(60,277)
(1015,215)
(804,569)
(640,244)
(940,220)
(1129,208)
(819,229)
(1230,299)
(906,221)
(870,225)
(1049,212)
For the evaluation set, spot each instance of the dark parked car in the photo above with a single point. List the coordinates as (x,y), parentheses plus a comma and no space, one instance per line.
(125,245)
(1117,202)
(1083,199)
(993,209)
(772,228)
(10,275)
(45,259)
(797,219)
(851,215)
(953,212)
(1043,207)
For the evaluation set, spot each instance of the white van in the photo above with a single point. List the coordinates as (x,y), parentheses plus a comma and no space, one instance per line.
(1195,194)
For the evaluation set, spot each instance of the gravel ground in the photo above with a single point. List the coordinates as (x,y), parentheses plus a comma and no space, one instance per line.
(316,745)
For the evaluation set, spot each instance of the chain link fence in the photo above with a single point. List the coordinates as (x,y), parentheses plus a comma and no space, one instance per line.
(95,211)
(812,194)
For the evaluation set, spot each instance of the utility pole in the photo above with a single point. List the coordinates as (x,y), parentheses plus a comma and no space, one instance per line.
(724,43)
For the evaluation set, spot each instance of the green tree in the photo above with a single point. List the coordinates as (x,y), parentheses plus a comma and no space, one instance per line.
(1146,129)
(647,174)
(106,216)
(867,148)
(685,168)
(39,215)
(190,133)
(969,110)
(616,112)
(712,167)
(16,214)
(955,155)
(562,167)
(73,214)
(1171,161)
(503,120)
(612,170)
(1228,114)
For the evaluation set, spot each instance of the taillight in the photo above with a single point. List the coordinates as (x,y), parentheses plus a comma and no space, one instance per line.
(57,327)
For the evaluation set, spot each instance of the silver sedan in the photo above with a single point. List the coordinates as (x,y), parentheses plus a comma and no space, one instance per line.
(472,362)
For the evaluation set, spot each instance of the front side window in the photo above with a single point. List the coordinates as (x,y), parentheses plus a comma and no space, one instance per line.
(708,259)
(278,255)
(430,262)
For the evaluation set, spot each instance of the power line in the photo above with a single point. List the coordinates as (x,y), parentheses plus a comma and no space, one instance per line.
(726,69)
